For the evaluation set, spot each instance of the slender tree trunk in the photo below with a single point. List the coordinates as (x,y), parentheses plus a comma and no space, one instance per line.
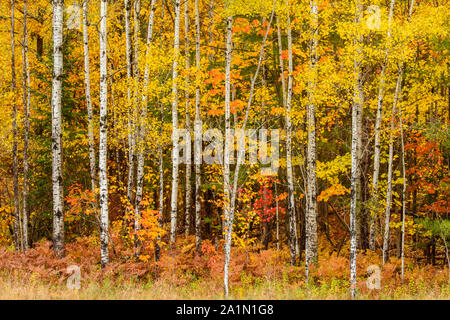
(175,151)
(131,132)
(198,128)
(57,180)
(87,84)
(211,25)
(161,187)
(228,223)
(280,54)
(356,108)
(17,239)
(404,173)
(276,216)
(231,192)
(26,108)
(403,195)
(293,244)
(138,143)
(376,161)
(143,124)
(389,177)
(188,120)
(103,178)
(311,213)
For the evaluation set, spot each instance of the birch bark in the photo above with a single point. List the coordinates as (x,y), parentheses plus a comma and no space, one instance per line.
(103,177)
(376,161)
(188,120)
(26,107)
(356,108)
(143,122)
(87,86)
(198,127)
(131,134)
(293,244)
(57,180)
(387,214)
(175,154)
(311,214)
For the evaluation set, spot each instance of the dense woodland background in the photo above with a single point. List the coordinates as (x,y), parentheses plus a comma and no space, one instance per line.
(92,91)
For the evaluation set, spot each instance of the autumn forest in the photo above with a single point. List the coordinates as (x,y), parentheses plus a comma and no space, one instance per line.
(210,149)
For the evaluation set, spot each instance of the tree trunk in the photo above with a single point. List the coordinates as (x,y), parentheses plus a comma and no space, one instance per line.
(57,180)
(188,120)
(103,178)
(131,134)
(290,179)
(17,239)
(311,196)
(175,154)
(26,108)
(356,108)
(230,197)
(228,221)
(389,177)
(198,128)
(280,54)
(143,125)
(376,161)
(88,96)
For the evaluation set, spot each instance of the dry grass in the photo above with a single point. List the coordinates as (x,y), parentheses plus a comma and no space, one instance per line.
(185,275)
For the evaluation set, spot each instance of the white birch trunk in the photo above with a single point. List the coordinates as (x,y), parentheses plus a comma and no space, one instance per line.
(311,213)
(230,197)
(26,108)
(293,244)
(131,130)
(376,159)
(198,124)
(175,154)
(103,178)
(17,238)
(228,223)
(404,175)
(356,108)
(188,121)
(389,177)
(58,199)
(280,54)
(87,88)
(143,123)
(161,188)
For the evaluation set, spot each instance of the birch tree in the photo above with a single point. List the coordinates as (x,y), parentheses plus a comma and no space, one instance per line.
(230,192)
(131,136)
(188,120)
(376,161)
(57,180)
(175,154)
(87,88)
(17,240)
(311,213)
(404,174)
(356,108)
(293,244)
(198,127)
(26,107)
(138,144)
(228,225)
(103,177)
(143,121)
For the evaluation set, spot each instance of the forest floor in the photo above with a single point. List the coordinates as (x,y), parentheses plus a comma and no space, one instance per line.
(183,274)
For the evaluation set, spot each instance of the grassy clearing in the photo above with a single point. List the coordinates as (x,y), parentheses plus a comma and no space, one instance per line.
(18,287)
